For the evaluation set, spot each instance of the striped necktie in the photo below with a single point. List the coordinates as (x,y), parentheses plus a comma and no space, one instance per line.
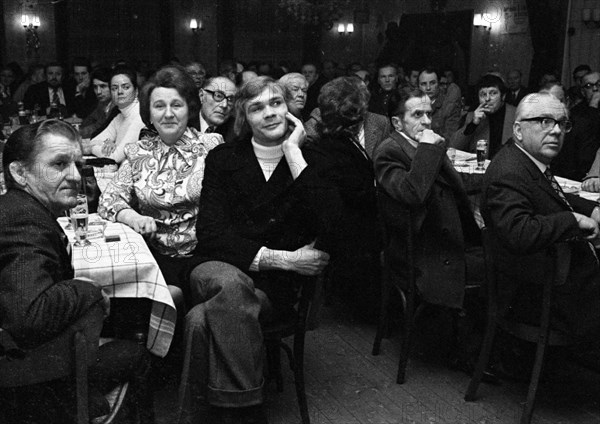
(55,98)
(556,187)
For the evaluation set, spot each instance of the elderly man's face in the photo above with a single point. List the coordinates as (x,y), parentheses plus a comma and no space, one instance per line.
(216,112)
(54,76)
(590,84)
(416,118)
(387,78)
(53,178)
(542,144)
(428,82)
(266,115)
(310,73)
(514,80)
(298,88)
(197,72)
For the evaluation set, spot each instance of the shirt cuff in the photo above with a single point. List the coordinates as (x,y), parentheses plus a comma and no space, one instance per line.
(254,266)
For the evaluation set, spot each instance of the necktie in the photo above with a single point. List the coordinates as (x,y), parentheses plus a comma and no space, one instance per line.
(556,187)
(560,193)
(55,98)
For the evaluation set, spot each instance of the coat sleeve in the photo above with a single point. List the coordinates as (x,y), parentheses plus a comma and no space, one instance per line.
(34,307)
(508,208)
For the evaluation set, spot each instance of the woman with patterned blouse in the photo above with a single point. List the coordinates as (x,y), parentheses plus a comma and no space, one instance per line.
(157,188)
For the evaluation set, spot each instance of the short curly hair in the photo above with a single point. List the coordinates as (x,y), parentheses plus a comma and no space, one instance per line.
(343,104)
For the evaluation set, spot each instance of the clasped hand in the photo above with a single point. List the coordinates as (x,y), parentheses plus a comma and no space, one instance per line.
(307,260)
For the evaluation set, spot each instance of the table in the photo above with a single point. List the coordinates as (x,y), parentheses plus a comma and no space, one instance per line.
(127,269)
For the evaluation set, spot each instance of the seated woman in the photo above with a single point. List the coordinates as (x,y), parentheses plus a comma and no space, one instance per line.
(157,188)
(39,296)
(355,271)
(125,127)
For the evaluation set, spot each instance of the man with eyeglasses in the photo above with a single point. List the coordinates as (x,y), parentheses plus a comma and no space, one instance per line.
(217,98)
(420,191)
(528,212)
(492,120)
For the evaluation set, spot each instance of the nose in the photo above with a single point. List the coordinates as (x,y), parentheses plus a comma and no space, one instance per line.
(426,120)
(169,111)
(74,173)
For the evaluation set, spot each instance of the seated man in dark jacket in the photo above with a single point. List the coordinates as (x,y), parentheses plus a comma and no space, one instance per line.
(39,295)
(257,226)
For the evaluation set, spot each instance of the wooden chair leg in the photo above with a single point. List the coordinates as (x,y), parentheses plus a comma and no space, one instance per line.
(81,378)
(407,329)
(382,326)
(299,377)
(484,358)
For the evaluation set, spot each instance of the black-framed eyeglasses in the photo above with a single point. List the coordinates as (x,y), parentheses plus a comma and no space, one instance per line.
(219,96)
(589,85)
(549,123)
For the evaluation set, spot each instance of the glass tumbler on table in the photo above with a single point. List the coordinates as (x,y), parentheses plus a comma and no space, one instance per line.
(482,150)
(79,220)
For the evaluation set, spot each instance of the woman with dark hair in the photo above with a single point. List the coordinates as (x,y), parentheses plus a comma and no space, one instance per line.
(345,163)
(157,188)
(125,127)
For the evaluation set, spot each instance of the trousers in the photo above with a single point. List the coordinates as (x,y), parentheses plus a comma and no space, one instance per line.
(223,343)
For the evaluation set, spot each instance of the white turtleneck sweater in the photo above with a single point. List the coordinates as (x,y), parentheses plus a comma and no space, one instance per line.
(122,130)
(268,157)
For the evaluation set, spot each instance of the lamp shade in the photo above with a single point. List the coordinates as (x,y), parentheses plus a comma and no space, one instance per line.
(193,24)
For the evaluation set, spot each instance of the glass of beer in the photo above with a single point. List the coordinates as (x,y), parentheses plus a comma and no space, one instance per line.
(482,151)
(79,220)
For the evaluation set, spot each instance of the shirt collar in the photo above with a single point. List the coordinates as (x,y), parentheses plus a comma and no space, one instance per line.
(542,167)
(412,142)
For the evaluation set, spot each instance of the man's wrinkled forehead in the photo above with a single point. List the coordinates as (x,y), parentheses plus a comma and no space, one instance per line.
(222,84)
(414,104)
(592,77)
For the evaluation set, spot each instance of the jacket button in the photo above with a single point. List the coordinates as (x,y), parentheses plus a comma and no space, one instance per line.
(446,262)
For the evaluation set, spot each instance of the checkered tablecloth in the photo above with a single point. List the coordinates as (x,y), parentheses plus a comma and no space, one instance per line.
(126,268)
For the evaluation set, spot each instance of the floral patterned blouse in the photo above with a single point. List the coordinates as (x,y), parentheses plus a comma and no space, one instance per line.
(162,182)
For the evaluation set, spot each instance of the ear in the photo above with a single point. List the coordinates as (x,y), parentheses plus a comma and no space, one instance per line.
(397,123)
(503,97)
(17,171)
(517,132)
(201,95)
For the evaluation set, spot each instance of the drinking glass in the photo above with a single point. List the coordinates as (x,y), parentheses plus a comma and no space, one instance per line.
(79,220)
(482,150)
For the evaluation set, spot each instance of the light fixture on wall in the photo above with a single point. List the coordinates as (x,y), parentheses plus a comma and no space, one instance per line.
(345,29)
(31,22)
(196,25)
(591,18)
(480,22)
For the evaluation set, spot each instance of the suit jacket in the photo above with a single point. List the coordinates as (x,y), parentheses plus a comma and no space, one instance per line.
(528,217)
(421,190)
(240,212)
(468,142)
(377,128)
(39,297)
(513,100)
(38,94)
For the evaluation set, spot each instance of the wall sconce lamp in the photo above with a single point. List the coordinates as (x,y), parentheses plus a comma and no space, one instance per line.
(345,29)
(480,22)
(591,18)
(196,25)
(31,22)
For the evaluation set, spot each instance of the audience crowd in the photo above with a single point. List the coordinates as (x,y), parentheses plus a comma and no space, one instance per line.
(251,181)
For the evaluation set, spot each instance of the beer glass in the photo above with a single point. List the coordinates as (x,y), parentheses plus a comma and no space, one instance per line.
(482,150)
(79,220)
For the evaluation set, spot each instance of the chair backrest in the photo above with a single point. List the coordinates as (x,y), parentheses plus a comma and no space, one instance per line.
(56,358)
(559,256)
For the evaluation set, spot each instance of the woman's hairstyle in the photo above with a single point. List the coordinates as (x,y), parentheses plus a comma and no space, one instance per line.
(343,104)
(250,90)
(24,144)
(124,70)
(171,76)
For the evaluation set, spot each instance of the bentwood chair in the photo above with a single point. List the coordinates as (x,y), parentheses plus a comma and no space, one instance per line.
(67,356)
(293,324)
(542,335)
(405,285)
